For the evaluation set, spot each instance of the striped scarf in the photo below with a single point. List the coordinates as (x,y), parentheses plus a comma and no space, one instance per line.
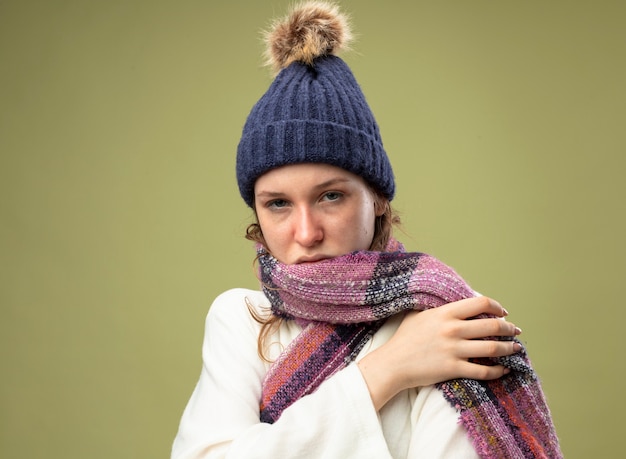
(342,302)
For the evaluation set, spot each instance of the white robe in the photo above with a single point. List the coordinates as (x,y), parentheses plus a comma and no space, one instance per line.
(338,421)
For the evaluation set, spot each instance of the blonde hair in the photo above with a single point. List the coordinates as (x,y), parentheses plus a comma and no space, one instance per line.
(383,230)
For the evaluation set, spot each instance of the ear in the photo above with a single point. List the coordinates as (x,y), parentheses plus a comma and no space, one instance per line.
(381,204)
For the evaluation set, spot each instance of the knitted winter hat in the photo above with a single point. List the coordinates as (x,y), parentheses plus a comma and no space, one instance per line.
(314,111)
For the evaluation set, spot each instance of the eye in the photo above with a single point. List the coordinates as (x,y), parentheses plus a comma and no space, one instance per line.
(276,204)
(332,196)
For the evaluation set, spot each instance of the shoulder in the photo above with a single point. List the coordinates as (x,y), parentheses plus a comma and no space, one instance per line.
(237,304)
(238,295)
(230,319)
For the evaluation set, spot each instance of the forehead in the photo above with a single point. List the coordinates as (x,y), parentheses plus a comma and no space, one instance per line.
(304,175)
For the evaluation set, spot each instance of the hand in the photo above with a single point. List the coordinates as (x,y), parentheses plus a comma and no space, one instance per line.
(434,345)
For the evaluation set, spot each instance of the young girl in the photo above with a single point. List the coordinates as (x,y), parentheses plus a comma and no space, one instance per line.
(354,347)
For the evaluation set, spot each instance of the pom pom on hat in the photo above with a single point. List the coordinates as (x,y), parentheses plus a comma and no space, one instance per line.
(311,30)
(314,111)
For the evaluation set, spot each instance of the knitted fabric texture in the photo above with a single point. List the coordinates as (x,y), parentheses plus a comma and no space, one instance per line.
(313,114)
(343,301)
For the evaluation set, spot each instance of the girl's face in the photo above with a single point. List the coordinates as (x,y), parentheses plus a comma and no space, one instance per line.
(309,212)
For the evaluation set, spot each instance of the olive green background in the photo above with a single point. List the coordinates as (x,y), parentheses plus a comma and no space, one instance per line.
(121,220)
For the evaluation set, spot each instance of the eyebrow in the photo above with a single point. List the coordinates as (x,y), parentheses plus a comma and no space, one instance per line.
(326,184)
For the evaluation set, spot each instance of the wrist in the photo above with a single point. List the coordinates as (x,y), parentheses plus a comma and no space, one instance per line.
(379,378)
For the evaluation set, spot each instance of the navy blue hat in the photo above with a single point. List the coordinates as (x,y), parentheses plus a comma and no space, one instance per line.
(314,111)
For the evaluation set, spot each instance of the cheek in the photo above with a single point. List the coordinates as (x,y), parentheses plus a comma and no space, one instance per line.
(273,235)
(365,220)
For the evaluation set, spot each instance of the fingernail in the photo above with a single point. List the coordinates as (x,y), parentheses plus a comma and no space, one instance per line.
(518,331)
(517,347)
(507,371)
(505,312)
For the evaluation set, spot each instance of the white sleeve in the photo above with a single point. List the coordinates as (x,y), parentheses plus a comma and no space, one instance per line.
(221,419)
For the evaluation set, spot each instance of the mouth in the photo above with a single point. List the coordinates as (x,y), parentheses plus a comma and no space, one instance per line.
(311,259)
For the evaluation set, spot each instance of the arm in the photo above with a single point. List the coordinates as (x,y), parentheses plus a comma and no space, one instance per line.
(434,346)
(222,417)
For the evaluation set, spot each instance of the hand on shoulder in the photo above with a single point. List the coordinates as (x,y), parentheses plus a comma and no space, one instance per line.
(434,345)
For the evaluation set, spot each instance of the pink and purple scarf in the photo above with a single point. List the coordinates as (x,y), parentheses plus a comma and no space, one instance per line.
(342,302)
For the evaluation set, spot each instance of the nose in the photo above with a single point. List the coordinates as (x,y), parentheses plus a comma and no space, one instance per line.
(307,229)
